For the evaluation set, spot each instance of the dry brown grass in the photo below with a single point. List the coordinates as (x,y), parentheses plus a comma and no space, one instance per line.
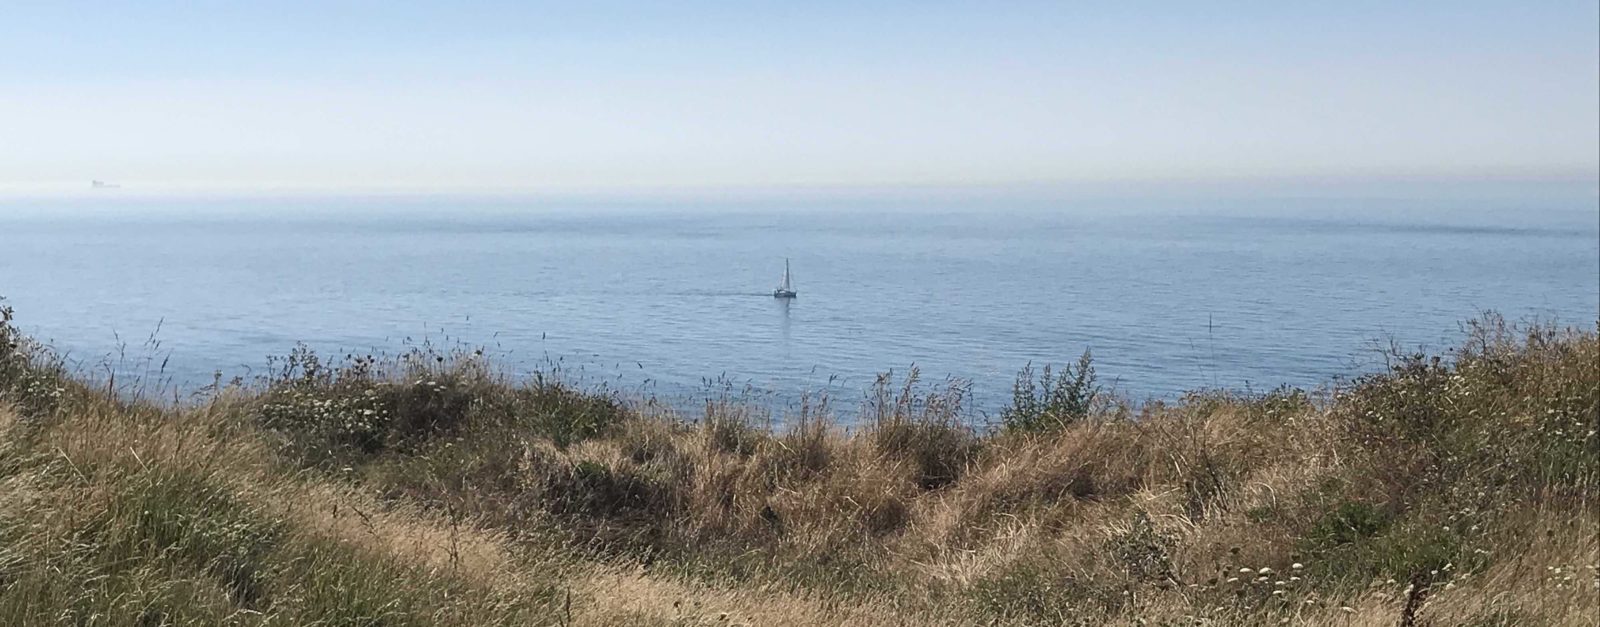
(1464,493)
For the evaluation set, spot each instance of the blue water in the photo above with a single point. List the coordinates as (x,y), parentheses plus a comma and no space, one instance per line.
(657,299)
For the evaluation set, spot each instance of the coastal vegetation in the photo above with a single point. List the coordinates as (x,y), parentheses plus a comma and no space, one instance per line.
(1460,488)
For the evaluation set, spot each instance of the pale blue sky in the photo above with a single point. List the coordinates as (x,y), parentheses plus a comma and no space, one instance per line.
(520,96)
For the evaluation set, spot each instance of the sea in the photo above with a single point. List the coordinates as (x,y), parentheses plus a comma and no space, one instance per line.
(670,302)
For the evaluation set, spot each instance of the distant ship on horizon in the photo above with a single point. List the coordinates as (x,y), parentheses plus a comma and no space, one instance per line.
(99,184)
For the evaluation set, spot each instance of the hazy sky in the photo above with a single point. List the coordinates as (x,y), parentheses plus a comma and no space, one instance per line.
(493,96)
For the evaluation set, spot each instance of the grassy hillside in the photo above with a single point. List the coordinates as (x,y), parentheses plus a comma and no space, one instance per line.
(428,490)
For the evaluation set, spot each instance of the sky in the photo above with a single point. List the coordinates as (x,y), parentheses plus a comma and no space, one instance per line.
(526,96)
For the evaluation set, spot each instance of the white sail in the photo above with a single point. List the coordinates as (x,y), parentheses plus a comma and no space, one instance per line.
(785,289)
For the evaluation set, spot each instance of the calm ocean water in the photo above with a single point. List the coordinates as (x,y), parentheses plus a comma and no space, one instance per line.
(656,300)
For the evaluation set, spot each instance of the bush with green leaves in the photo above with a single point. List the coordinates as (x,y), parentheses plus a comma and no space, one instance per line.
(1048,403)
(32,378)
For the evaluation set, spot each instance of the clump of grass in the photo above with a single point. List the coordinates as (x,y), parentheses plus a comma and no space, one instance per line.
(924,429)
(1044,592)
(728,430)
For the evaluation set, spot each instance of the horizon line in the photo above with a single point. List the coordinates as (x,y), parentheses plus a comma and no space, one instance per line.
(108,187)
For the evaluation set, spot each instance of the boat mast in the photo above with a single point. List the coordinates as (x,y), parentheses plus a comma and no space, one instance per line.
(786,286)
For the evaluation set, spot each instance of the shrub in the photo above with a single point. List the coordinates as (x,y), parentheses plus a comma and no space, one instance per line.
(1143,551)
(1051,403)
(32,378)
(1512,411)
(347,412)
(1349,522)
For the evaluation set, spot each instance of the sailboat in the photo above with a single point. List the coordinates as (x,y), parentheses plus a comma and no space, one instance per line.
(785,289)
